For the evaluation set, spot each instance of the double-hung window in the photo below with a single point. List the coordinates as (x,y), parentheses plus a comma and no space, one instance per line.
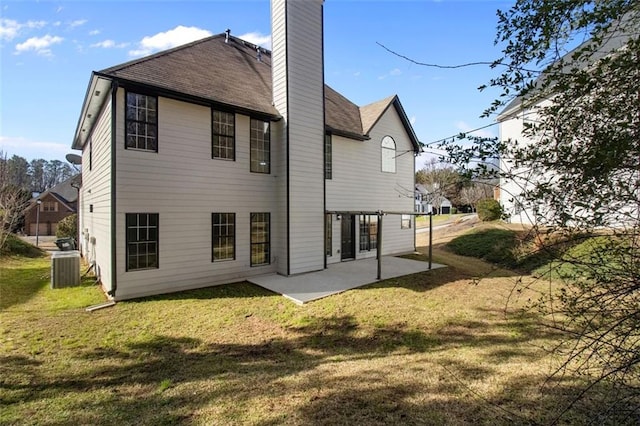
(142,240)
(49,206)
(260,239)
(260,140)
(223,236)
(223,135)
(368,232)
(141,122)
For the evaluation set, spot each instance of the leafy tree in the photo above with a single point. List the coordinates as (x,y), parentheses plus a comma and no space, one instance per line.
(68,227)
(580,152)
(443,180)
(489,209)
(38,175)
(471,195)
(17,171)
(55,171)
(38,178)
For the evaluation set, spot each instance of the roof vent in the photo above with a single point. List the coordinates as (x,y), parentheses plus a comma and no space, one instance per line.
(259,53)
(228,34)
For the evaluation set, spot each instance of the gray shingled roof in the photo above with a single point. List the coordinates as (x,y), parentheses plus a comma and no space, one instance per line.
(341,114)
(371,113)
(212,70)
(65,192)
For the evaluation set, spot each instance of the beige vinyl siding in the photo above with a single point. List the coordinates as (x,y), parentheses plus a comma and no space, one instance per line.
(95,227)
(299,96)
(358,183)
(184,186)
(278,130)
(279,55)
(279,191)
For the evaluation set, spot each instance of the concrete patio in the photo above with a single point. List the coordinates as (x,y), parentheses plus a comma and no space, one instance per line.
(339,277)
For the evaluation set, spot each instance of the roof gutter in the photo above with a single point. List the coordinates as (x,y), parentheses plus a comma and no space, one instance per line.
(346,134)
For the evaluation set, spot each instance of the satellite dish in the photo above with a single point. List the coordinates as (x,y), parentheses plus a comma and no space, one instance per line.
(74,159)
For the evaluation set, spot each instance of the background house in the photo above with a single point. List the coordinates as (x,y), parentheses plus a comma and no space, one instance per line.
(430,197)
(54,204)
(521,113)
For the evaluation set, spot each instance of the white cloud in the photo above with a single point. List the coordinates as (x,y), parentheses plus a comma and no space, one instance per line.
(109,44)
(35,24)
(393,73)
(168,39)
(32,149)
(412,120)
(94,32)
(40,45)
(257,39)
(77,23)
(9,28)
(484,133)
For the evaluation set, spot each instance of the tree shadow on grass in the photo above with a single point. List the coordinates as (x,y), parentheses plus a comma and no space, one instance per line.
(18,287)
(237,290)
(167,380)
(370,402)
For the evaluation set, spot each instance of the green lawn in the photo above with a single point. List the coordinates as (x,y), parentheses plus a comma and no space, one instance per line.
(431,348)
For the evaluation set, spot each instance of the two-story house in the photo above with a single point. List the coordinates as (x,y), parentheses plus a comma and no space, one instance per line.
(44,212)
(219,160)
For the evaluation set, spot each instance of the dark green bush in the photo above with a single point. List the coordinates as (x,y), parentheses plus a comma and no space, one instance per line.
(14,246)
(493,245)
(68,227)
(488,210)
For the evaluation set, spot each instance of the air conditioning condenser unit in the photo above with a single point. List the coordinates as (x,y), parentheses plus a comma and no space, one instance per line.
(65,269)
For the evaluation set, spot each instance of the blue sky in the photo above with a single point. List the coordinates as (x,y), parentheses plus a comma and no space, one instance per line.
(49,48)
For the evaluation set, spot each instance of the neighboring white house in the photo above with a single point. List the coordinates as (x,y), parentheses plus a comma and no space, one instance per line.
(218,160)
(512,120)
(429,199)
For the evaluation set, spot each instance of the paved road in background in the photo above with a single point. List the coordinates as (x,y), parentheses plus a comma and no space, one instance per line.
(450,222)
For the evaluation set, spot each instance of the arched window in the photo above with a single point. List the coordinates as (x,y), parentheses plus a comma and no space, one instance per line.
(388,154)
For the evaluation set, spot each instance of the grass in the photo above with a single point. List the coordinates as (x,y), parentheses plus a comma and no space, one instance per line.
(423,221)
(430,348)
(14,246)
(490,244)
(551,256)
